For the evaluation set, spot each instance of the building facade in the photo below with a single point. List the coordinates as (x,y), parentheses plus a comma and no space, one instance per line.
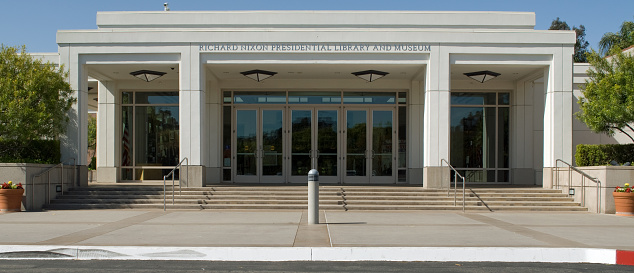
(212,103)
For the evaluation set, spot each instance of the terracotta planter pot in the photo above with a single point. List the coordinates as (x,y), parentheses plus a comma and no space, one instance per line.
(624,203)
(11,200)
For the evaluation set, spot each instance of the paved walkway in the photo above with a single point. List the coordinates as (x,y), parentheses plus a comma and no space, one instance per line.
(288,231)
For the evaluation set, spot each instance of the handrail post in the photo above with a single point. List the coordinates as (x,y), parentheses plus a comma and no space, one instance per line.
(463,193)
(173,188)
(164,193)
(61,181)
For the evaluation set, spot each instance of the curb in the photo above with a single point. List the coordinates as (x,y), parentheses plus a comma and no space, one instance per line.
(405,254)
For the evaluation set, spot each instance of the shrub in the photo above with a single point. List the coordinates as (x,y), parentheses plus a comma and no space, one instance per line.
(34,151)
(601,155)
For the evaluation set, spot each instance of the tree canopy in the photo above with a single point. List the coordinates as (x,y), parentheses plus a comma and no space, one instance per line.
(34,97)
(581,45)
(621,39)
(607,104)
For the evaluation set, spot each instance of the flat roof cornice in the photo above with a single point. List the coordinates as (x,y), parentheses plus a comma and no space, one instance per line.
(331,19)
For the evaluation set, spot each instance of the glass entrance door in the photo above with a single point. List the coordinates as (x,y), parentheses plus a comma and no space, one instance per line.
(259,145)
(314,144)
(369,145)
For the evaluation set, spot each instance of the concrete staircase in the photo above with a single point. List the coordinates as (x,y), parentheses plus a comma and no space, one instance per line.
(331,198)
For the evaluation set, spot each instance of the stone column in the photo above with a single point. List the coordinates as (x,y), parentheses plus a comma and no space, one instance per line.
(74,143)
(108,132)
(192,111)
(558,113)
(436,119)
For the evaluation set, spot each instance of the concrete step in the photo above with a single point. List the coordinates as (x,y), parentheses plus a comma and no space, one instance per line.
(339,197)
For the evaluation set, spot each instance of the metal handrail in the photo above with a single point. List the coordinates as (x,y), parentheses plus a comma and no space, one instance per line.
(48,187)
(583,177)
(179,182)
(455,182)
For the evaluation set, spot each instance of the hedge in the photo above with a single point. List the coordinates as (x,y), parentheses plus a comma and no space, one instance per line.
(35,151)
(601,155)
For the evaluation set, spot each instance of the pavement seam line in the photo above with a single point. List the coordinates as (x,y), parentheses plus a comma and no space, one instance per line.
(76,237)
(328,228)
(537,235)
(301,220)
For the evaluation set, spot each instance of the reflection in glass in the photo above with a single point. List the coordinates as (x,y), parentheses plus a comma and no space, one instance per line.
(226,136)
(301,124)
(156,138)
(246,146)
(356,143)
(402,137)
(503,138)
(259,97)
(382,143)
(327,142)
(369,98)
(472,98)
(126,138)
(272,148)
(156,97)
(314,97)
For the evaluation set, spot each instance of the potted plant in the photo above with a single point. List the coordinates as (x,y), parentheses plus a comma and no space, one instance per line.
(624,200)
(11,197)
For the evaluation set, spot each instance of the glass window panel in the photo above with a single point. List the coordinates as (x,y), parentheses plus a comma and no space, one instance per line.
(402,98)
(126,98)
(472,98)
(503,137)
(226,175)
(272,148)
(226,97)
(126,137)
(327,144)
(402,175)
(504,98)
(487,134)
(503,176)
(356,143)
(156,98)
(314,97)
(301,124)
(369,98)
(382,143)
(226,137)
(126,174)
(466,137)
(490,176)
(402,137)
(259,97)
(246,142)
(156,136)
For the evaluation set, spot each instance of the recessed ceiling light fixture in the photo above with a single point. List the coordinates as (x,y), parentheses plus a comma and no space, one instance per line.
(482,76)
(258,75)
(370,75)
(147,75)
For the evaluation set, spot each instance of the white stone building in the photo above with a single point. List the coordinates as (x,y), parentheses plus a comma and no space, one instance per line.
(317,111)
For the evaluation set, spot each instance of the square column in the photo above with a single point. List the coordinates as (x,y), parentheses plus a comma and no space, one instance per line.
(74,143)
(108,132)
(192,112)
(436,120)
(558,114)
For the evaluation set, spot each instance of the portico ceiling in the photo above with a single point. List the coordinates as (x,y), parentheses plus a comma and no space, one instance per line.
(121,72)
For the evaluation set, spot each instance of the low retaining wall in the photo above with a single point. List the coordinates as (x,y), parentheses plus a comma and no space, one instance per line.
(586,190)
(39,190)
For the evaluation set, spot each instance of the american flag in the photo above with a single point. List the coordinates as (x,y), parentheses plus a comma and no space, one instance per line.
(126,147)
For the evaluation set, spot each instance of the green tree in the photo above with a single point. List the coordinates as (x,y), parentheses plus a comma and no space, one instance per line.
(34,97)
(621,39)
(607,104)
(581,45)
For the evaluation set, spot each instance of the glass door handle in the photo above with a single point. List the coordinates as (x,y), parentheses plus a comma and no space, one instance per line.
(317,152)
(372,154)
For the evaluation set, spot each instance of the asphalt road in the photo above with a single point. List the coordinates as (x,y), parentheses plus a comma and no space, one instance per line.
(96,266)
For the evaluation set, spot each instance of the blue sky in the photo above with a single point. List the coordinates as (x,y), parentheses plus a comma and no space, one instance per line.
(35,22)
